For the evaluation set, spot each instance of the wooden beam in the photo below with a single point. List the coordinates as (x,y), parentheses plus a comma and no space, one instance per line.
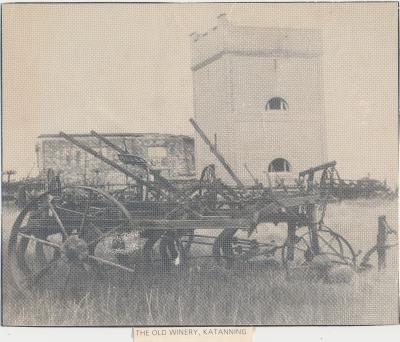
(107,142)
(216,153)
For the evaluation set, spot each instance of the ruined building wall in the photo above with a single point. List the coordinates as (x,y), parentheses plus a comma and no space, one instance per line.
(173,155)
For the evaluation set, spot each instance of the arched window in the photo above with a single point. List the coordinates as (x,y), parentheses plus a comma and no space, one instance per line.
(276,103)
(279,165)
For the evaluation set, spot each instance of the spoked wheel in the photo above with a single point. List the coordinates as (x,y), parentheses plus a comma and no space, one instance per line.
(64,242)
(299,258)
(208,177)
(208,192)
(211,194)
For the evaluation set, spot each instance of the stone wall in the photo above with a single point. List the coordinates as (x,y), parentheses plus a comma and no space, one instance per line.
(172,155)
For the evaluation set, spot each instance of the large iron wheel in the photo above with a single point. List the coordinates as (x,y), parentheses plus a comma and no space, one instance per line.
(299,257)
(63,242)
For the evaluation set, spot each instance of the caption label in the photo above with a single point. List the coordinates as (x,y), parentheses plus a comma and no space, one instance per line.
(193,334)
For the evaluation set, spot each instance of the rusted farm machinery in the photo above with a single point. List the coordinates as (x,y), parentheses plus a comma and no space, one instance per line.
(352,189)
(90,231)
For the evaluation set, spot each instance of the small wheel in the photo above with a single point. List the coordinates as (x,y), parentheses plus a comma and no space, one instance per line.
(175,245)
(334,249)
(148,253)
(211,193)
(170,250)
(224,250)
(208,191)
(186,239)
(208,176)
(63,242)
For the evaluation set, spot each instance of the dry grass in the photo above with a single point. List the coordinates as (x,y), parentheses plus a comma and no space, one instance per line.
(206,294)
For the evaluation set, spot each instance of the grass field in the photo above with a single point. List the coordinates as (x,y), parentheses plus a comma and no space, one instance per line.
(207,294)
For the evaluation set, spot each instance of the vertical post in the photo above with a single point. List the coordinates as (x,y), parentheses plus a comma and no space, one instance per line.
(291,239)
(310,181)
(313,228)
(268,179)
(381,242)
(85,161)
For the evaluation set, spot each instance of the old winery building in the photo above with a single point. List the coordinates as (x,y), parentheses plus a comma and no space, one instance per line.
(172,155)
(259,93)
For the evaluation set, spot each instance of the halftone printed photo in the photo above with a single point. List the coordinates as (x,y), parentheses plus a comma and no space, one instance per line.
(199,164)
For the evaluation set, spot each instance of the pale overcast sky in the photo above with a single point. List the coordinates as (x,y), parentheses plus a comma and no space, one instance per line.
(126,68)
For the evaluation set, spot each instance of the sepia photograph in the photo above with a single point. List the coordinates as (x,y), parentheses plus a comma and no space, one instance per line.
(199,164)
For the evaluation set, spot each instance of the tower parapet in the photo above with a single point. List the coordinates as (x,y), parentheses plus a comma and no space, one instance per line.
(227,38)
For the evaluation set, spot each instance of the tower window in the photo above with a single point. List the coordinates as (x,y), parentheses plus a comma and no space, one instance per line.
(279,165)
(276,103)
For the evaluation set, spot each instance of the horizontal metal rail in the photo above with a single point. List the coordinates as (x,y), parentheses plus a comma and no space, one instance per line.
(202,223)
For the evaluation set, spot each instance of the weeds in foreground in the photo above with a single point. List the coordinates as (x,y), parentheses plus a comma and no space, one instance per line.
(207,297)
(210,295)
